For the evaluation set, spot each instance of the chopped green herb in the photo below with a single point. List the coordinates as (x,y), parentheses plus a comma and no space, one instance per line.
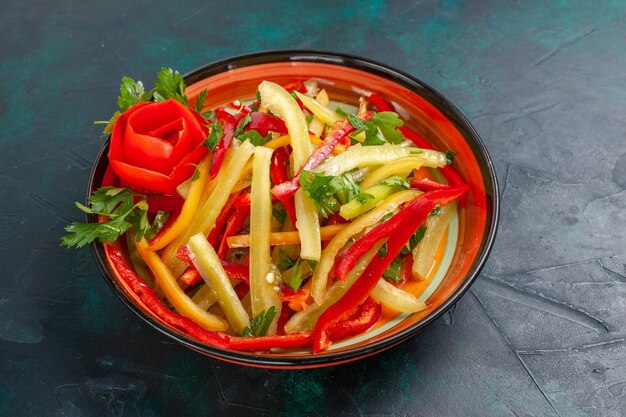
(196,172)
(392,273)
(387,122)
(279,213)
(396,181)
(123,213)
(450,154)
(169,84)
(414,240)
(308,118)
(258,96)
(260,324)
(296,276)
(157,224)
(131,93)
(341,112)
(255,137)
(436,211)
(312,264)
(285,261)
(242,125)
(200,100)
(214,136)
(363,197)
(383,250)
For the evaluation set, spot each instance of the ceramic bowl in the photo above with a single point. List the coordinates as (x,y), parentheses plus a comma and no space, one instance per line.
(471,233)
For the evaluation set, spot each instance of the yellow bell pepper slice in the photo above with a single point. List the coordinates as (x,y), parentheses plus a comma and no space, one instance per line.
(186,213)
(281,103)
(285,238)
(263,294)
(175,295)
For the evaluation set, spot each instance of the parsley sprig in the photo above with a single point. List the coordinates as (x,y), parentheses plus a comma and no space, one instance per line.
(328,192)
(169,84)
(118,205)
(260,324)
(380,129)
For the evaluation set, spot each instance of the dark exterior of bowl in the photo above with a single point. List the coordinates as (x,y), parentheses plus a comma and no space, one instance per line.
(312,361)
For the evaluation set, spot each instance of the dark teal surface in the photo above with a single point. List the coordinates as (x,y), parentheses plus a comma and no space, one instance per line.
(541,333)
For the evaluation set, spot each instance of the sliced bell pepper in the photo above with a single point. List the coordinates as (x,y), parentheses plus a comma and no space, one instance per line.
(270,342)
(278,174)
(386,229)
(222,218)
(265,123)
(147,295)
(418,211)
(229,123)
(233,226)
(426,184)
(189,208)
(340,130)
(366,316)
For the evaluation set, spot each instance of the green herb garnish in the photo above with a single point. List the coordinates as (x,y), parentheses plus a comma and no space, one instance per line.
(260,324)
(118,205)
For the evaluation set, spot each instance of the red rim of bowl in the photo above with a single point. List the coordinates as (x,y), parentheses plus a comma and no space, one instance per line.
(409,82)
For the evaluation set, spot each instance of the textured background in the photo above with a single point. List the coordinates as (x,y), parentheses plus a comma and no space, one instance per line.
(541,333)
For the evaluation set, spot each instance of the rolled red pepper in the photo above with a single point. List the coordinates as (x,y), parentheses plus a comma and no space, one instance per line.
(265,123)
(278,173)
(147,296)
(229,123)
(419,210)
(269,342)
(340,130)
(366,316)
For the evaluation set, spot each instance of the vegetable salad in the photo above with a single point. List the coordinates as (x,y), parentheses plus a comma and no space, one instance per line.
(285,221)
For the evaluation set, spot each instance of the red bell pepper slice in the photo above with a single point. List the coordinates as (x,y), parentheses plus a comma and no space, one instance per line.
(147,296)
(265,123)
(386,229)
(366,316)
(233,226)
(339,131)
(229,123)
(232,269)
(419,210)
(222,218)
(426,184)
(278,174)
(270,342)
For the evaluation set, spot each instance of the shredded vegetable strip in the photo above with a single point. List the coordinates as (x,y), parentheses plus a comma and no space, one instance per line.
(424,252)
(305,320)
(401,167)
(336,150)
(320,276)
(326,115)
(281,103)
(189,208)
(355,207)
(285,238)
(358,156)
(263,296)
(205,218)
(208,264)
(175,295)
(204,298)
(390,296)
